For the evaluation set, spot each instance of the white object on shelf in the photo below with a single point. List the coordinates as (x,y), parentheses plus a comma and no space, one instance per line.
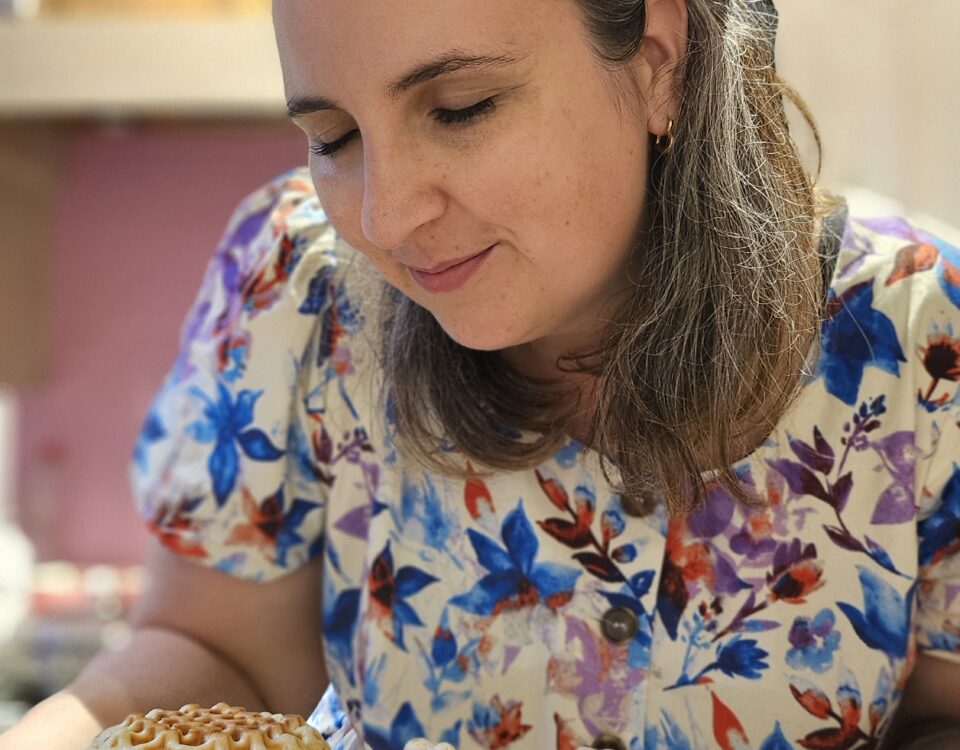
(16,551)
(16,577)
(68,67)
(8,449)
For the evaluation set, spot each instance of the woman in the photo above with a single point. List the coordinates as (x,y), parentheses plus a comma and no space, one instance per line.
(631,452)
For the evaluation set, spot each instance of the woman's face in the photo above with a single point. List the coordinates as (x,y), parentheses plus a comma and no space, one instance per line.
(543,163)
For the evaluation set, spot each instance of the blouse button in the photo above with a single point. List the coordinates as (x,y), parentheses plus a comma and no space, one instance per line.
(619,624)
(608,742)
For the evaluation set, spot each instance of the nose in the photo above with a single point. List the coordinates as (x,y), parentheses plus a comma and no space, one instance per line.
(400,193)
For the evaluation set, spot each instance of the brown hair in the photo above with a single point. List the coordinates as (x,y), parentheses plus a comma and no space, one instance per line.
(709,352)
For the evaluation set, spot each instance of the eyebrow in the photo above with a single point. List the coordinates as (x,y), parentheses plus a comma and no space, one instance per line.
(449,62)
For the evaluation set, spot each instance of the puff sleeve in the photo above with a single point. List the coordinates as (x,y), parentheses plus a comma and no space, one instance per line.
(222,470)
(937,349)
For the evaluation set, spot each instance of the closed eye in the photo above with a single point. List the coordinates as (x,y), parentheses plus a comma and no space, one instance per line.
(447,117)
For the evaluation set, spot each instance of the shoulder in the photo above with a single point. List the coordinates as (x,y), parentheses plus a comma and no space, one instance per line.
(266,363)
(301,307)
(281,274)
(893,320)
(900,259)
(891,323)
(280,224)
(895,287)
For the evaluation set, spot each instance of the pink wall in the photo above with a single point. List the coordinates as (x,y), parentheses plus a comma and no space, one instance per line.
(140,213)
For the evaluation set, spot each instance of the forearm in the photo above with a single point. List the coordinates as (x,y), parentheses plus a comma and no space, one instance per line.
(157,669)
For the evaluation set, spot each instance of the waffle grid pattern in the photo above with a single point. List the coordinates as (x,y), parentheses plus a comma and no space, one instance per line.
(221,727)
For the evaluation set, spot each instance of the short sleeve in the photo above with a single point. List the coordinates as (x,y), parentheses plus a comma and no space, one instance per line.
(222,470)
(937,351)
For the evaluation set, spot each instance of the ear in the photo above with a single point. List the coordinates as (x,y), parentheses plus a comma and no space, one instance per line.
(658,65)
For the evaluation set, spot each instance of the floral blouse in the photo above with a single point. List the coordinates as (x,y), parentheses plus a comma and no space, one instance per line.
(526,609)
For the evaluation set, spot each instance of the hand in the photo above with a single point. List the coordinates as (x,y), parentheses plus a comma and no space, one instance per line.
(427,745)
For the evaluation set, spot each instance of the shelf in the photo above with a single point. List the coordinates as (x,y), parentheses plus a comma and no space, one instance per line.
(85,67)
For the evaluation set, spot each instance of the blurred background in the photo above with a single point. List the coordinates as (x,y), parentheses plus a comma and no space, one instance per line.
(129,129)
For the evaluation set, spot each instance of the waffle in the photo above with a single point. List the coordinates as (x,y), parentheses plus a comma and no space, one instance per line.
(222,727)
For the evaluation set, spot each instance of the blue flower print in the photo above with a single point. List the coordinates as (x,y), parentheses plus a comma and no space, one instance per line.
(674,737)
(884,623)
(738,657)
(274,527)
(340,614)
(855,335)
(405,727)
(776,740)
(319,294)
(940,530)
(515,580)
(813,642)
(454,663)
(447,663)
(444,647)
(741,657)
(948,270)
(423,514)
(389,591)
(151,432)
(944,640)
(567,456)
(329,715)
(225,423)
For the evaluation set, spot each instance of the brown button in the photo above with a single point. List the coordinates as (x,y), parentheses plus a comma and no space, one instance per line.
(608,742)
(619,624)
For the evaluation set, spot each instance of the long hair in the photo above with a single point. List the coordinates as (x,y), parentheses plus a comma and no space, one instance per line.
(710,349)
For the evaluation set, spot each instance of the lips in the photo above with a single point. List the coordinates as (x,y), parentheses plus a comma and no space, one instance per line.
(441,267)
(450,275)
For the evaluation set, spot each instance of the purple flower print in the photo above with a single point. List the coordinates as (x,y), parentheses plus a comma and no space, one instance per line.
(896,503)
(814,641)
(755,539)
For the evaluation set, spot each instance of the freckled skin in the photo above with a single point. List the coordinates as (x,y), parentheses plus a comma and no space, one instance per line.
(556,174)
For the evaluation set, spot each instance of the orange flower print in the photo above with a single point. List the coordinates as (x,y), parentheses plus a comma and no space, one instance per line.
(177,529)
(941,358)
(912,259)
(497,724)
(565,737)
(263,520)
(796,573)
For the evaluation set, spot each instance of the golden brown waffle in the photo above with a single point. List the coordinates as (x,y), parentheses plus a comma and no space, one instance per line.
(222,727)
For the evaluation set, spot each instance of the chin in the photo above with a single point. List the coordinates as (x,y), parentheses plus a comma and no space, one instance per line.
(480,335)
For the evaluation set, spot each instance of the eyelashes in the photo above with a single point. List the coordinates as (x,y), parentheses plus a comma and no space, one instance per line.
(446,117)
(454,116)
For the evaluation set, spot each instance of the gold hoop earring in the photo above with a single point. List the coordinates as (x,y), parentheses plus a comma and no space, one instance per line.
(664,141)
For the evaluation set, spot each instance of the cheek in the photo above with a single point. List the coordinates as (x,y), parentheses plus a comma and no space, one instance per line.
(337,198)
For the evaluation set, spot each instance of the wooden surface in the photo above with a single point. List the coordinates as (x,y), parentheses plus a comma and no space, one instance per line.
(29,177)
